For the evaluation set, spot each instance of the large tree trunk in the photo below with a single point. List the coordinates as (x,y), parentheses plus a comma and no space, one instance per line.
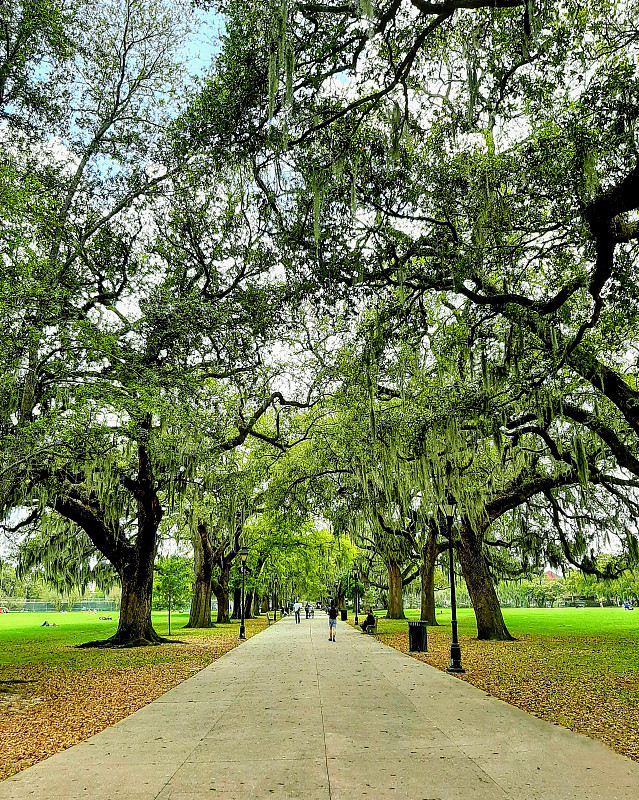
(490,621)
(237,603)
(266,604)
(255,604)
(134,561)
(429,556)
(135,627)
(248,604)
(221,589)
(200,614)
(395,591)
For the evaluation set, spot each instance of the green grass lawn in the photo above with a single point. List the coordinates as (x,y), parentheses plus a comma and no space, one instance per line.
(24,641)
(548,621)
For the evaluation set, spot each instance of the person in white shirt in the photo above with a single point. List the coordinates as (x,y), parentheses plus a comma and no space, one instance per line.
(296,609)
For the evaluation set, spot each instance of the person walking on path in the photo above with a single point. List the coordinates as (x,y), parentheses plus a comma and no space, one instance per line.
(296,609)
(332,621)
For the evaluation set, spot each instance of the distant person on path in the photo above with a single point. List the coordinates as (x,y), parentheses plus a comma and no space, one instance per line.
(369,621)
(332,621)
(307,608)
(296,608)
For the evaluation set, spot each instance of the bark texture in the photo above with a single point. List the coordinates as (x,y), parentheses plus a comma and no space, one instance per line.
(135,627)
(221,589)
(490,620)
(429,557)
(395,590)
(200,614)
(237,603)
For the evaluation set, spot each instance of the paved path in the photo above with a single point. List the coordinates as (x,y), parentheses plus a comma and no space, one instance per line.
(291,715)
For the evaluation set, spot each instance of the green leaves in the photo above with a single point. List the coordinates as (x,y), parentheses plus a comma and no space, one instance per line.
(172,581)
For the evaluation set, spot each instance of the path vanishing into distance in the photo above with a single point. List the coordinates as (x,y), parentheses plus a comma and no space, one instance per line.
(289,714)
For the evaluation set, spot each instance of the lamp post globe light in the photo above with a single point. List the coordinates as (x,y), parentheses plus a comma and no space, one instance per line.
(355,575)
(243,557)
(455,651)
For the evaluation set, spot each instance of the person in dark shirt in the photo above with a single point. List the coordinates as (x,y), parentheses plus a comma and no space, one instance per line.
(332,621)
(369,621)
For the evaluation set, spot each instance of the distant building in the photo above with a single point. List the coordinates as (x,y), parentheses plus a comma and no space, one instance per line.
(551,576)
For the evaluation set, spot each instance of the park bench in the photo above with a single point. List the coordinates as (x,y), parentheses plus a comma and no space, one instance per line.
(372,629)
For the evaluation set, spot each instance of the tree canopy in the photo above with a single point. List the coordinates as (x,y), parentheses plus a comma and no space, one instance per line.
(379,259)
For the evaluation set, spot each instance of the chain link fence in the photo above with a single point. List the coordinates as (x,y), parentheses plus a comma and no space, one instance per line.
(41,606)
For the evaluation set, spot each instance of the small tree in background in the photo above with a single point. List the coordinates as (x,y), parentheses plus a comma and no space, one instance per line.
(172,583)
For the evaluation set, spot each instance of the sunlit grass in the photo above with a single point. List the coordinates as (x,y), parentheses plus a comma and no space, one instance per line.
(543,621)
(24,641)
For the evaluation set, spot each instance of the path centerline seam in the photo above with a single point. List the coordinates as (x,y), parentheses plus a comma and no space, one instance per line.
(412,702)
(217,719)
(319,693)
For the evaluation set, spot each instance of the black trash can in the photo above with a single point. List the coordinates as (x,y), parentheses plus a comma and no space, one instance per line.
(417,637)
(344,614)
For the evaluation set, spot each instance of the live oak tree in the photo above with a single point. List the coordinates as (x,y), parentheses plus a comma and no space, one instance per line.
(464,174)
(494,478)
(225,492)
(465,193)
(80,249)
(124,330)
(39,40)
(424,418)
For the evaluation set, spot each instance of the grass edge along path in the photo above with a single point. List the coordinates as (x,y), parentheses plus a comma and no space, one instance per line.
(54,695)
(573,667)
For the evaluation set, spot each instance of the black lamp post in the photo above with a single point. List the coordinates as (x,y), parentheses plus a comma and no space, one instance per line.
(356,595)
(455,651)
(275,604)
(243,556)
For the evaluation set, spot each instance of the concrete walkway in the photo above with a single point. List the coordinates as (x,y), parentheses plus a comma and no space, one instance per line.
(291,715)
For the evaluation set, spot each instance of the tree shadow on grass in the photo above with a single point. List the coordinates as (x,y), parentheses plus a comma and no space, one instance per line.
(113,643)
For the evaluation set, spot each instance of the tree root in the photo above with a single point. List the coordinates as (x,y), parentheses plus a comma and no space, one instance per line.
(118,642)
(199,627)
